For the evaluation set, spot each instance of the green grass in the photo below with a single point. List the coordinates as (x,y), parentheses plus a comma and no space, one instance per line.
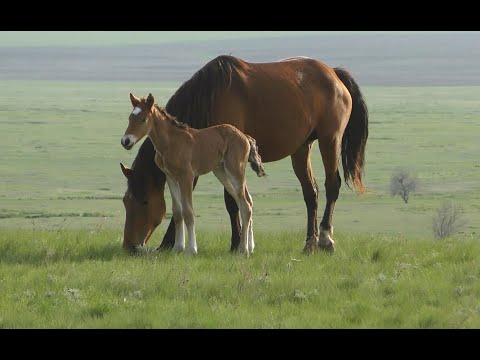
(82,279)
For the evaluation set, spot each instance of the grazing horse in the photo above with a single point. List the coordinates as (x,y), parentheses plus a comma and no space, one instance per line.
(184,153)
(286,106)
(144,199)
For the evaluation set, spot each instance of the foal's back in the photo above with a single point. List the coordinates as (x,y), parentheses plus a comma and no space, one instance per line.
(217,144)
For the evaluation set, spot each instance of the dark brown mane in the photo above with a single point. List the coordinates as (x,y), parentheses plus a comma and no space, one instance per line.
(193,101)
(144,168)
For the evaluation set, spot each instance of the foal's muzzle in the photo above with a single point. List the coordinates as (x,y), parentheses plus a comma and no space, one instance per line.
(127,143)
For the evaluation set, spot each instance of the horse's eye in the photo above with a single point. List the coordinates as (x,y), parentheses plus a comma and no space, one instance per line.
(145,202)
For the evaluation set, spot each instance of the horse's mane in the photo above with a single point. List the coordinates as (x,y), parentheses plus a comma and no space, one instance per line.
(193,101)
(143,166)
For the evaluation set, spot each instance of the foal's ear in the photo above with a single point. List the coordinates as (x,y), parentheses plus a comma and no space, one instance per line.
(150,101)
(135,101)
(126,171)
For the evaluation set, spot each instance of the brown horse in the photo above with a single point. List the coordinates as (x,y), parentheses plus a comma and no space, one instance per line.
(285,106)
(184,153)
(144,199)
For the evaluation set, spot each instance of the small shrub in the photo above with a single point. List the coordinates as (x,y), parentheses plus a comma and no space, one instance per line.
(448,221)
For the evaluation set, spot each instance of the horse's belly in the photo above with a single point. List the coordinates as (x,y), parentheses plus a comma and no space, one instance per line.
(278,130)
(279,143)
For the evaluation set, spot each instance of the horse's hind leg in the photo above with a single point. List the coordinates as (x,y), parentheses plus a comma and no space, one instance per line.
(303,170)
(330,150)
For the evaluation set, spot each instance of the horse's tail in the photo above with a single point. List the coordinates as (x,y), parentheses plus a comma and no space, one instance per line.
(254,157)
(356,133)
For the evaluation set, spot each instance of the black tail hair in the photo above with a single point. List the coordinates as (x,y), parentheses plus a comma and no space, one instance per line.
(355,136)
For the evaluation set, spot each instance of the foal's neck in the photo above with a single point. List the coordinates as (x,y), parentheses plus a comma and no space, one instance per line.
(162,130)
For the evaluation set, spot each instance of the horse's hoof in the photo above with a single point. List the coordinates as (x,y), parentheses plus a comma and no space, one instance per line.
(326,243)
(329,248)
(310,246)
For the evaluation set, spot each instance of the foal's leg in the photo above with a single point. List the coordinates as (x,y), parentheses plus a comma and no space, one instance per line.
(177,214)
(303,170)
(169,237)
(250,240)
(224,179)
(330,150)
(233,212)
(188,214)
(237,179)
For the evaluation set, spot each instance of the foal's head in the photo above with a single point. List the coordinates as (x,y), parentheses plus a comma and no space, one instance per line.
(139,121)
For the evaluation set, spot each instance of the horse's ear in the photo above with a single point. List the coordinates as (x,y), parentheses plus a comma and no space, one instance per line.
(150,101)
(135,101)
(126,171)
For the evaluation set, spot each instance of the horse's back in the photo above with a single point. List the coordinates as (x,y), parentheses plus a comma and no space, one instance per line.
(280,104)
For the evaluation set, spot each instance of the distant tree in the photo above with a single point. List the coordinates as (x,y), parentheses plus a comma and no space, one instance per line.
(448,221)
(403,183)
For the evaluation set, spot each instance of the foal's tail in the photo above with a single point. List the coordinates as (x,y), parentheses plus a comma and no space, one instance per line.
(254,157)
(356,133)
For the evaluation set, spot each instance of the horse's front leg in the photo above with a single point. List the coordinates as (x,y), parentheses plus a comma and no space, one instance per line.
(303,170)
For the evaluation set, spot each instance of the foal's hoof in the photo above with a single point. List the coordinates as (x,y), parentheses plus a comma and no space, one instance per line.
(164,247)
(191,251)
(178,249)
(310,246)
(243,252)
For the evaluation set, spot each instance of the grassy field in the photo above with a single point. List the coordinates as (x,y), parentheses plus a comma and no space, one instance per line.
(82,279)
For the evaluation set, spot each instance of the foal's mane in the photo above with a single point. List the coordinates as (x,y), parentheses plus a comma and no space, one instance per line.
(171,118)
(192,103)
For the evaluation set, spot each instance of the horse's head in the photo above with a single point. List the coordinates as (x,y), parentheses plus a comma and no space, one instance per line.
(144,204)
(139,121)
